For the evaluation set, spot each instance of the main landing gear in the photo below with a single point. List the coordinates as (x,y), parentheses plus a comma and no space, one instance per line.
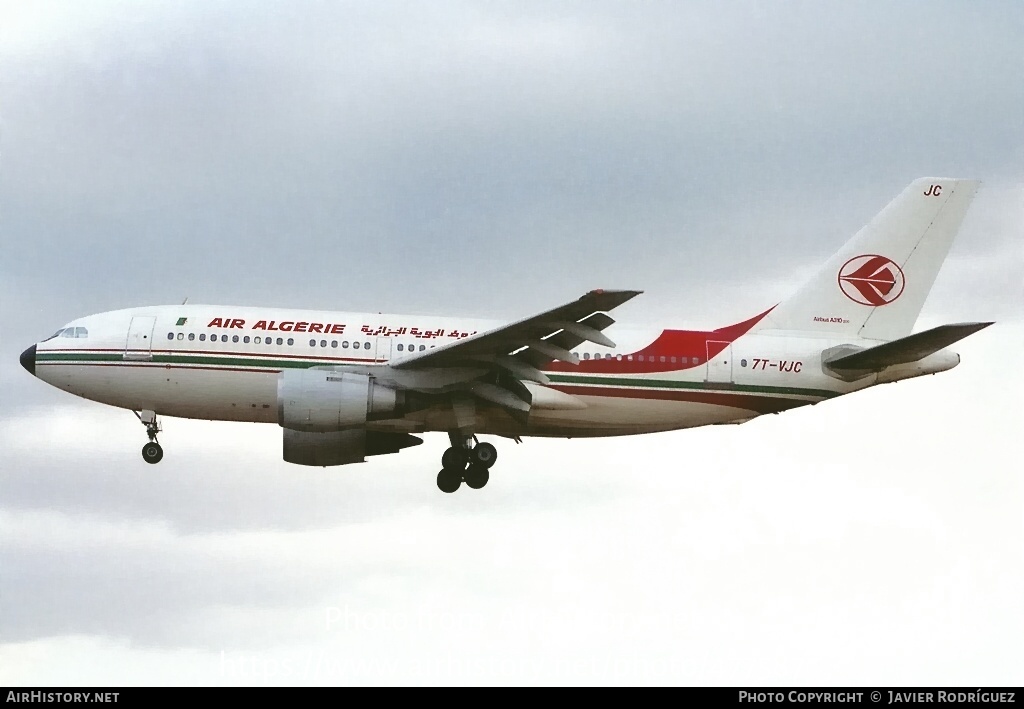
(152,452)
(465,462)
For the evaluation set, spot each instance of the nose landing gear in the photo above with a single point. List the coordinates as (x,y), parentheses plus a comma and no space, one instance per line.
(152,452)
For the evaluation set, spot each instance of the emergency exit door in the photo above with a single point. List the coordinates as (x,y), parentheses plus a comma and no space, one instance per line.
(382,353)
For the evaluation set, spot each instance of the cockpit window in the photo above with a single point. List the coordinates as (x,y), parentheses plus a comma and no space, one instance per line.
(70,332)
(74,332)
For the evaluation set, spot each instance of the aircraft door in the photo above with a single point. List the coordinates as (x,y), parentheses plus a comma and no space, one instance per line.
(382,353)
(139,344)
(719,366)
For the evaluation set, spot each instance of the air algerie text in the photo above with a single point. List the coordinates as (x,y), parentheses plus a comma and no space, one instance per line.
(283,326)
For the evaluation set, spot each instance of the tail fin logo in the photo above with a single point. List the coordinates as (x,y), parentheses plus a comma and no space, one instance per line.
(871,280)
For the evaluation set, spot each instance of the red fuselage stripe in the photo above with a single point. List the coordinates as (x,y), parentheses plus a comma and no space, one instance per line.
(748,402)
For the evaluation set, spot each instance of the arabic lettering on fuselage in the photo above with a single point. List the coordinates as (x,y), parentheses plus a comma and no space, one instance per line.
(427,334)
(335,328)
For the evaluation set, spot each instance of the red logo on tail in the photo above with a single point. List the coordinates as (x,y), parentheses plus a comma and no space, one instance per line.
(871,280)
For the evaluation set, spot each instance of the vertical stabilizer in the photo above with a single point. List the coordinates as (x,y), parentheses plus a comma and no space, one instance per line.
(875,286)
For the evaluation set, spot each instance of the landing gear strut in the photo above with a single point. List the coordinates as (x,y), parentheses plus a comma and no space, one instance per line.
(152,452)
(467,460)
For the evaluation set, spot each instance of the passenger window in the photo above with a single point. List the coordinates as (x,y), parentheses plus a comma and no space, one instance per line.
(586,355)
(366,345)
(618,357)
(181,336)
(256,340)
(191,336)
(245,339)
(663,359)
(334,344)
(695,360)
(400,348)
(344,345)
(235,338)
(202,337)
(673,359)
(170,335)
(291,341)
(422,347)
(312,343)
(323,343)
(280,341)
(629,358)
(743,363)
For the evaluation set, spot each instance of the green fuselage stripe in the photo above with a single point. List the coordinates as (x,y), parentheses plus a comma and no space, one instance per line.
(187,359)
(635,382)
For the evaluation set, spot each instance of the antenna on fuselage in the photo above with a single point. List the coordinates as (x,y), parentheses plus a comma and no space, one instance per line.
(184,301)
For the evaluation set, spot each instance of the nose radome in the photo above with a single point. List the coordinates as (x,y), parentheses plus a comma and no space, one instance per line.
(28,360)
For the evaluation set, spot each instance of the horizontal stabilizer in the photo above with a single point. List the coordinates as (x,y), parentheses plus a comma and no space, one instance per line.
(906,349)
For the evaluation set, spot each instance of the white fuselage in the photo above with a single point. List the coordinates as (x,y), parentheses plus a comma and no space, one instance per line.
(222,363)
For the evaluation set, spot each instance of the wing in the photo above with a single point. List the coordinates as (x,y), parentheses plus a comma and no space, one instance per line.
(504,357)
(533,341)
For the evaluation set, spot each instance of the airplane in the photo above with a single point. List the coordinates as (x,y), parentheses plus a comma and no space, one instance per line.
(346,386)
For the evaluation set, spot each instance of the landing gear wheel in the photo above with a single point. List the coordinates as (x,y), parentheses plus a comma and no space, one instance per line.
(454,459)
(152,452)
(477,476)
(449,480)
(484,455)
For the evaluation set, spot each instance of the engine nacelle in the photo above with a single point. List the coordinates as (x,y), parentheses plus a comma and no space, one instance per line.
(320,401)
(342,447)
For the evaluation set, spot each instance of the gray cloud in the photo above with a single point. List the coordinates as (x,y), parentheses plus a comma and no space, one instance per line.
(198,157)
(493,159)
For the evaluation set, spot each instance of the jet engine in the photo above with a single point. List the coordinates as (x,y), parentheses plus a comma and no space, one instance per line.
(342,447)
(320,401)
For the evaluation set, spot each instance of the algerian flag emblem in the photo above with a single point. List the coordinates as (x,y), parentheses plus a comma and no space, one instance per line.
(181,321)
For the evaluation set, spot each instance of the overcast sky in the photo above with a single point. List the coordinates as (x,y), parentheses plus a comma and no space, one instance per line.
(496,159)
